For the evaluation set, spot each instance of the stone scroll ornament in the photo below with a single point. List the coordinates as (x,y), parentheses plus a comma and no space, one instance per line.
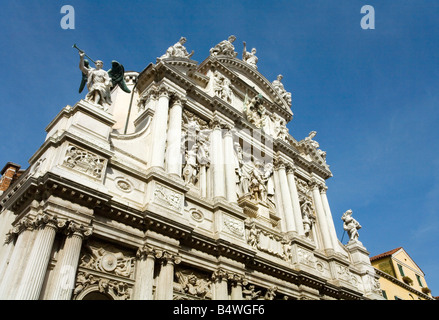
(100,82)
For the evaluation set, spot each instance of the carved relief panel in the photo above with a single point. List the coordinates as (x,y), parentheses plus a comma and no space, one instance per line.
(191,284)
(105,269)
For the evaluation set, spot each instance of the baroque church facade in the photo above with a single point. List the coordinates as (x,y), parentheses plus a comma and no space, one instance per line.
(185,186)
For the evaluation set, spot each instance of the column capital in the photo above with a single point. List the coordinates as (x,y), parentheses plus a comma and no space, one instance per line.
(220,274)
(216,124)
(78,229)
(291,168)
(178,99)
(164,91)
(236,279)
(313,184)
(279,164)
(323,189)
(145,251)
(46,220)
(167,257)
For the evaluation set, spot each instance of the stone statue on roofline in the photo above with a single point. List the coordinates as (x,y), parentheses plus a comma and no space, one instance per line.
(178,50)
(279,87)
(224,48)
(250,57)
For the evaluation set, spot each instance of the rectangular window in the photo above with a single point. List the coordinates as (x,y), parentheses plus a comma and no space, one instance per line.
(384,294)
(419,280)
(400,270)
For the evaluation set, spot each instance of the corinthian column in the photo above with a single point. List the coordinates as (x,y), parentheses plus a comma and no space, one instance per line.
(173,152)
(64,279)
(144,274)
(321,216)
(160,127)
(220,289)
(217,162)
(286,197)
(165,283)
(12,273)
(295,199)
(229,166)
(236,281)
(33,277)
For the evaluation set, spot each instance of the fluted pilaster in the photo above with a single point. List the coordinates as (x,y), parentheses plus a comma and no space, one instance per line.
(165,282)
(23,232)
(219,278)
(146,257)
(64,279)
(33,277)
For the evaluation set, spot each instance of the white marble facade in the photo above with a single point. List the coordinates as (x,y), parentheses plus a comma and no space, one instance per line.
(189,187)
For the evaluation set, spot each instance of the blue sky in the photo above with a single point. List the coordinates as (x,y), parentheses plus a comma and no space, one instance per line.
(371,95)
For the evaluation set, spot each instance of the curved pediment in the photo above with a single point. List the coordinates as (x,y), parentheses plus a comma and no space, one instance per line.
(247,80)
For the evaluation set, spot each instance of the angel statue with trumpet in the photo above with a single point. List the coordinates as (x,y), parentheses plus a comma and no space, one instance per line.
(100,82)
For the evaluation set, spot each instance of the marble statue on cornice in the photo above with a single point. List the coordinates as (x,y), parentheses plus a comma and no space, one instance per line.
(224,48)
(279,87)
(250,57)
(315,144)
(178,50)
(350,225)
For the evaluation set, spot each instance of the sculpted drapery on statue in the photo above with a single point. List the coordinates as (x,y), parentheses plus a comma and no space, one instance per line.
(225,48)
(350,225)
(250,57)
(100,82)
(178,50)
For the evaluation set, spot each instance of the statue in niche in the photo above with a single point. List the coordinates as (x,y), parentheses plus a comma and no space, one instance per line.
(279,87)
(350,225)
(190,171)
(247,167)
(255,180)
(250,57)
(255,111)
(178,50)
(222,87)
(307,215)
(238,164)
(100,82)
(224,48)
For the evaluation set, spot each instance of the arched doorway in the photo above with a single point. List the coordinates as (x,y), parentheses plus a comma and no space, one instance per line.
(96,295)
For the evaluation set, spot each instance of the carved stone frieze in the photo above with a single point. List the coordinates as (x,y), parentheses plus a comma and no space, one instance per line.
(234,226)
(168,198)
(84,161)
(269,243)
